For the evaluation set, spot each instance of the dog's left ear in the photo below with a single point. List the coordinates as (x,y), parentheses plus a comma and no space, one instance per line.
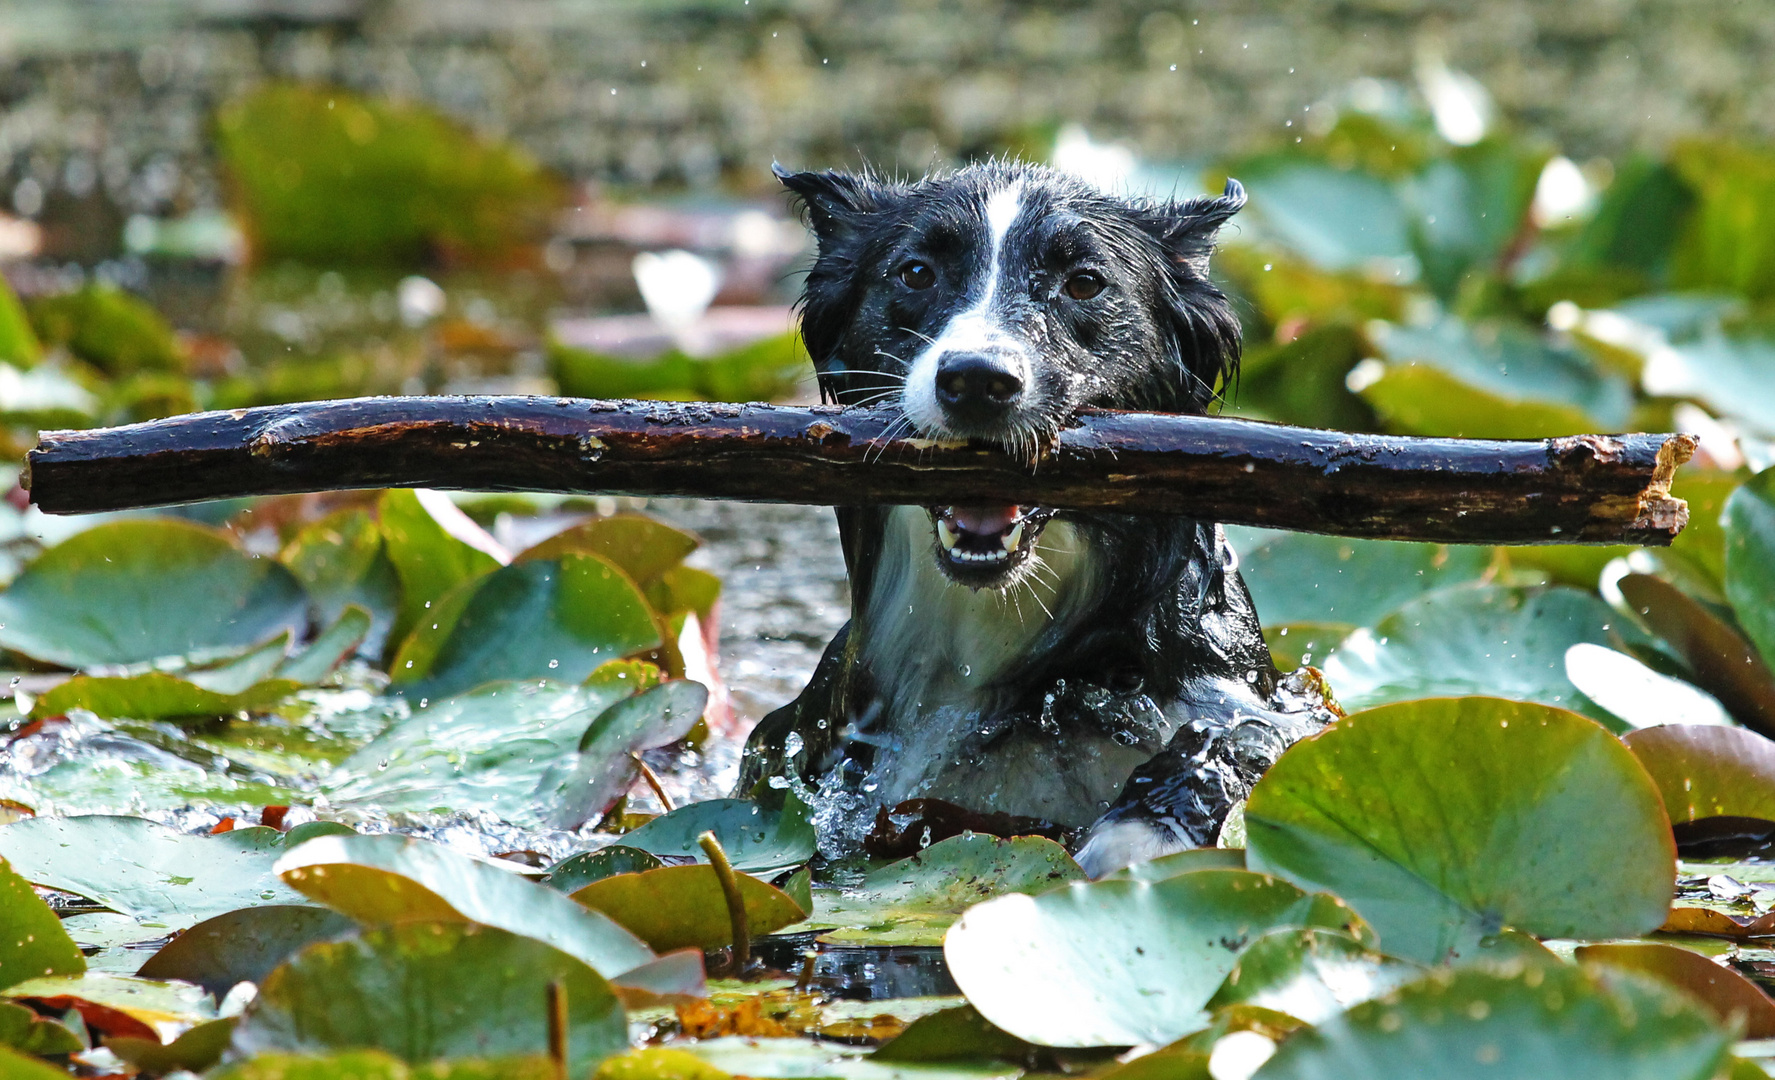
(1204,329)
(1188,229)
(837,203)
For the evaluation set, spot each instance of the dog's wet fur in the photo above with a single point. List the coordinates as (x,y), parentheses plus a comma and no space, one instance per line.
(1104,672)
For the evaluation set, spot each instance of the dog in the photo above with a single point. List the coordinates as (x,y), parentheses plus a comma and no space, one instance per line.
(1103,672)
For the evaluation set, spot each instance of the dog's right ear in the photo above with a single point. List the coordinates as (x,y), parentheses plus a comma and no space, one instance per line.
(836,202)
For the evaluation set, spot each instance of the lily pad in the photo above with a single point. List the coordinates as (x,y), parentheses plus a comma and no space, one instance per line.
(1733,998)
(683,907)
(396,879)
(1302,578)
(155,695)
(331,647)
(139,589)
(121,1004)
(340,562)
(23,1030)
(581,788)
(916,900)
(243,946)
(577,871)
(1635,694)
(428,561)
(791,1059)
(1445,820)
(32,941)
(754,838)
(376,1065)
(143,869)
(641,547)
(955,1034)
(1138,960)
(543,619)
(1310,974)
(424,991)
(1749,521)
(1182,862)
(194,1050)
(16,1066)
(1543,1021)
(1486,639)
(1724,664)
(1706,771)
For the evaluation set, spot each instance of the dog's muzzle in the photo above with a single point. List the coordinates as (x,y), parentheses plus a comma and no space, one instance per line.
(984,546)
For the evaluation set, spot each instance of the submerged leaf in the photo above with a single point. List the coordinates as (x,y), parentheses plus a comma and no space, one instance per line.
(1117,963)
(1442,821)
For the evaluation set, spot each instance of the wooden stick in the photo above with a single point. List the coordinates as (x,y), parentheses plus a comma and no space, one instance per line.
(1589,489)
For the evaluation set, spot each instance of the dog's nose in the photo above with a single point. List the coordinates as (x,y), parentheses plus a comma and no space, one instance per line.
(977,385)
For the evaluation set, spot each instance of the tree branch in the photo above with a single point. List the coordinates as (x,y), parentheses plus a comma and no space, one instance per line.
(1592,489)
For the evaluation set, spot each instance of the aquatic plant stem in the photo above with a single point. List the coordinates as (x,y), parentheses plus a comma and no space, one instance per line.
(557,1005)
(653,781)
(736,904)
(1589,489)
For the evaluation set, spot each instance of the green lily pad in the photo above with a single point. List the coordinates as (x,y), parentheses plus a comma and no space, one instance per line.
(1445,820)
(1182,862)
(16,1066)
(139,589)
(542,619)
(954,1034)
(424,990)
(1302,578)
(1548,1022)
(125,1004)
(397,879)
(376,1065)
(1310,974)
(488,749)
(140,868)
(428,561)
(1707,771)
(1486,639)
(1118,963)
(793,1059)
(754,838)
(340,562)
(1734,999)
(23,1030)
(1723,663)
(1635,694)
(639,546)
(243,946)
(581,789)
(683,907)
(577,871)
(1702,543)
(155,695)
(1749,521)
(194,1050)
(32,941)
(916,900)
(331,647)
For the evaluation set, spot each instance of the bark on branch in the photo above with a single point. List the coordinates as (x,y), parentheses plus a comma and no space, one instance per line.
(1592,489)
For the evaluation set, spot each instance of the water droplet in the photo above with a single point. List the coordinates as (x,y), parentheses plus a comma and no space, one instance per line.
(553,664)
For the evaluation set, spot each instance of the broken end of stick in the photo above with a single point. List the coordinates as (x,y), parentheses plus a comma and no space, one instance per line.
(1661,515)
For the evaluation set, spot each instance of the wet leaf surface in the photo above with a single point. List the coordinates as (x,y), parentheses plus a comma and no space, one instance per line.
(1441,821)
(1494,640)
(428,561)
(756,839)
(581,788)
(641,547)
(1724,664)
(139,868)
(577,871)
(1140,959)
(915,901)
(124,1005)
(156,695)
(17,1066)
(1310,974)
(395,879)
(1706,771)
(135,590)
(32,941)
(1521,1020)
(541,619)
(340,562)
(243,946)
(680,907)
(401,989)
(1734,999)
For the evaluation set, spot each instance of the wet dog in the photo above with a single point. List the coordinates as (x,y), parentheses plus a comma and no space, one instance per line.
(1103,672)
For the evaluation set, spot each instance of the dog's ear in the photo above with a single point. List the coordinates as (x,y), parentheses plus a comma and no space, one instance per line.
(836,203)
(1203,325)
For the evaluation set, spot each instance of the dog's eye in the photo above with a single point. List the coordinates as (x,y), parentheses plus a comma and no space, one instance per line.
(1083,286)
(917,275)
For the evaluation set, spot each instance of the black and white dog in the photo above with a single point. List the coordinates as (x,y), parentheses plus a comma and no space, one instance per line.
(1088,669)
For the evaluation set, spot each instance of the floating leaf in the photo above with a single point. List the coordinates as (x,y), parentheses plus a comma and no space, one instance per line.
(1493,640)
(376,1065)
(1182,862)
(428,561)
(1301,578)
(683,907)
(955,1034)
(1705,772)
(914,901)
(156,695)
(543,619)
(195,1050)
(639,546)
(755,839)
(424,991)
(394,879)
(784,1059)
(330,648)
(16,1066)
(1336,218)
(1310,974)
(147,870)
(1517,1020)
(32,941)
(1635,694)
(340,562)
(23,1030)
(577,871)
(1138,960)
(121,1004)
(1749,521)
(1733,998)
(1724,664)
(243,946)
(1445,820)
(581,788)
(139,589)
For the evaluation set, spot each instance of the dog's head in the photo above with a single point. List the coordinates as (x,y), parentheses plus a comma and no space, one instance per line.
(993,303)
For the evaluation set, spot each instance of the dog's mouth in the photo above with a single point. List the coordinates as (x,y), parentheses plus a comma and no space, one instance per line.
(983,546)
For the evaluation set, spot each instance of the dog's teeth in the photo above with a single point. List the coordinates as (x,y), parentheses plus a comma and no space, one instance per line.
(947,534)
(1011,538)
